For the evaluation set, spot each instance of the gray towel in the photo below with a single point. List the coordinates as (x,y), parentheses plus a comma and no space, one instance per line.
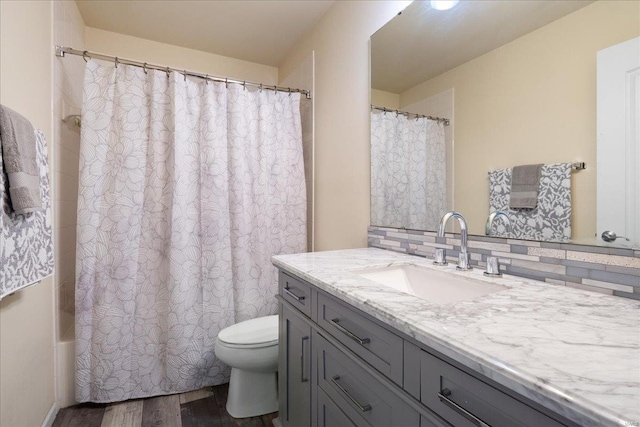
(18,140)
(525,185)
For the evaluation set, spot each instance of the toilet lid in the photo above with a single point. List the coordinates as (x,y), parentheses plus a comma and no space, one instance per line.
(251,332)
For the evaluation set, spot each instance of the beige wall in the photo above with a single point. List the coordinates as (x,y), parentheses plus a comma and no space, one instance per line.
(27,389)
(532,101)
(174,56)
(381,98)
(341,45)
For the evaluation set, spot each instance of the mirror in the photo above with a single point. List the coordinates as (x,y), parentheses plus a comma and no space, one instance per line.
(517,82)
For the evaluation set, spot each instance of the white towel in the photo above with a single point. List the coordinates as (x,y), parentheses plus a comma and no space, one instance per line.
(26,244)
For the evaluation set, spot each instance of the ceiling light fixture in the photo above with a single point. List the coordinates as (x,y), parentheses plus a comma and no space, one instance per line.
(443,4)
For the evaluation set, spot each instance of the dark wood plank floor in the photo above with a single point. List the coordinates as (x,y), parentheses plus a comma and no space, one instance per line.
(200,408)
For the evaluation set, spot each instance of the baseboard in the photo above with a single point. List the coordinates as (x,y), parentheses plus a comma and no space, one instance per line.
(51,415)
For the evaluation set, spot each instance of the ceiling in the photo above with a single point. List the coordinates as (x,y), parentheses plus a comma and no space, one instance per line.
(257,31)
(422,42)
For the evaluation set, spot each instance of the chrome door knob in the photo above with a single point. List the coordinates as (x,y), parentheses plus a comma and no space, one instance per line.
(611,236)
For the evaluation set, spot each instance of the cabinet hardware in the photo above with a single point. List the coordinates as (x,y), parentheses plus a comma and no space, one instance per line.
(444,398)
(363,408)
(287,291)
(303,379)
(361,341)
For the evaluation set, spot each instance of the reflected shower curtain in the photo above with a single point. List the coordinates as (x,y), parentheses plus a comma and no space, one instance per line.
(186,190)
(408,171)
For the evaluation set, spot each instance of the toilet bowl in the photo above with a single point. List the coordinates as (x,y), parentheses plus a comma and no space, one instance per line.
(251,349)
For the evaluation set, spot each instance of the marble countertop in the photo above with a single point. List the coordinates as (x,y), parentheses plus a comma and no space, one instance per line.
(575,352)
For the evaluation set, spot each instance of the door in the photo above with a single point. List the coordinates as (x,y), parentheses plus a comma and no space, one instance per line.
(618,140)
(295,369)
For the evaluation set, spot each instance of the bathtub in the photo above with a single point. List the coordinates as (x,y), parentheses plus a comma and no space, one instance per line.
(66,369)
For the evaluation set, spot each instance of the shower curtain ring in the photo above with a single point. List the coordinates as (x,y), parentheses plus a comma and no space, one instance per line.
(85,55)
(226,82)
(206,80)
(144,68)
(117,62)
(167,71)
(260,87)
(185,75)
(275,87)
(289,91)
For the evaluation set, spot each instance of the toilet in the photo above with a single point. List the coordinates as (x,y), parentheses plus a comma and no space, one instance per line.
(251,349)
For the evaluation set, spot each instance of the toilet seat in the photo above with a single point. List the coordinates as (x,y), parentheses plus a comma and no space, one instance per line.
(254,333)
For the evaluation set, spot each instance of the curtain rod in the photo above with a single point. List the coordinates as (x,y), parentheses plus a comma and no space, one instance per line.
(61,51)
(404,113)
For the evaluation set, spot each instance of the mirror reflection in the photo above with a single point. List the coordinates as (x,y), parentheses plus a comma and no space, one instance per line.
(526,135)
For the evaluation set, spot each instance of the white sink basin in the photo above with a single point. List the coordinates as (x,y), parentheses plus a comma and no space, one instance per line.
(435,286)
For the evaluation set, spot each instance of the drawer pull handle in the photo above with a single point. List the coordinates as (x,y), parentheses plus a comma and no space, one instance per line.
(444,398)
(361,341)
(363,408)
(303,379)
(298,298)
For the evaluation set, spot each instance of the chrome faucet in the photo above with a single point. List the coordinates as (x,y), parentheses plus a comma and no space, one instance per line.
(492,216)
(464,262)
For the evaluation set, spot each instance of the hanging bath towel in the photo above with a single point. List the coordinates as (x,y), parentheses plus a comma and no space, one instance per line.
(551,218)
(26,246)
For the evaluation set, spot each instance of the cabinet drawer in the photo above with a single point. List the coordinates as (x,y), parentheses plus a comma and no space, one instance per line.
(378,346)
(363,398)
(297,292)
(329,415)
(464,400)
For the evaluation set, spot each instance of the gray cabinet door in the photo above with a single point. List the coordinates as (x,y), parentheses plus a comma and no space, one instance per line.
(362,397)
(464,400)
(329,415)
(294,371)
(378,346)
(297,292)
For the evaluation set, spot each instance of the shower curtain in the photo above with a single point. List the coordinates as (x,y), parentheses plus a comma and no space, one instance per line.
(186,190)
(408,171)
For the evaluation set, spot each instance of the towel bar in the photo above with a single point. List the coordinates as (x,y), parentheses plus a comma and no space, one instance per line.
(578,166)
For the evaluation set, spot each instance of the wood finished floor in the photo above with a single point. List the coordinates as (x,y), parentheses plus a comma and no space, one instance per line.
(200,408)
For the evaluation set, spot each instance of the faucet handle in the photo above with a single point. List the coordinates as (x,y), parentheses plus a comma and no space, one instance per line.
(493,267)
(440,257)
(464,261)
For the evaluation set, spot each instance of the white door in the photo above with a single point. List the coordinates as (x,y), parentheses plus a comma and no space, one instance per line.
(618,146)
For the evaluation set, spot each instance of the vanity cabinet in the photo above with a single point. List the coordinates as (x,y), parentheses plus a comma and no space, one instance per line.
(341,367)
(294,368)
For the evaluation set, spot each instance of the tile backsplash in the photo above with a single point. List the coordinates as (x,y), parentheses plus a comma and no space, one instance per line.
(614,271)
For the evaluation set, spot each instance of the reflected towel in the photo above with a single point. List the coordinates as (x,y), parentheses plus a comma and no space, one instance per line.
(525,185)
(18,140)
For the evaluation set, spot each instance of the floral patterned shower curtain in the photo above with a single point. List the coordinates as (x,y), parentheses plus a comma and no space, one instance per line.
(408,171)
(186,189)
